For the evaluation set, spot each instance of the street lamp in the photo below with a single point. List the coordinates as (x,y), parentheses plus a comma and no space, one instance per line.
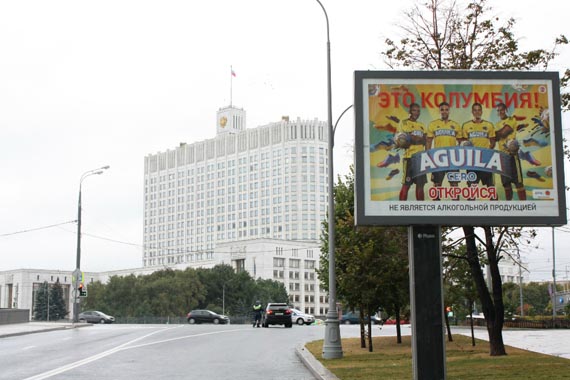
(332,348)
(77,271)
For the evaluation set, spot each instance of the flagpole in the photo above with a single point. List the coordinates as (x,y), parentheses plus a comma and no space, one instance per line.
(231,81)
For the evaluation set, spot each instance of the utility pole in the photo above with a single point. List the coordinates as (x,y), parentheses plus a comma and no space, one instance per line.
(77,271)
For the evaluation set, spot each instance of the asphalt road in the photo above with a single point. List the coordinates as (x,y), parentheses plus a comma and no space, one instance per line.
(158,352)
(196,352)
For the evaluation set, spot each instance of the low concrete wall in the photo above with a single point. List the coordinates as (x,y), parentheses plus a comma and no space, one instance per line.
(14,316)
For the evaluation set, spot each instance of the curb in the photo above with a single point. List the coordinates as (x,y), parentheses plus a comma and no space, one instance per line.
(47,329)
(313,365)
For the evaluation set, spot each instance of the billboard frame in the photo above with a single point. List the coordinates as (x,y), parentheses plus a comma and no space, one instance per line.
(366,215)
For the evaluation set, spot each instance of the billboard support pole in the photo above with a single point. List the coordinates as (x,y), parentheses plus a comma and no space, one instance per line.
(553,279)
(426,301)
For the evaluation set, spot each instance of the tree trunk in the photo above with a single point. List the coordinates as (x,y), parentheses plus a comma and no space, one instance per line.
(370,348)
(362,331)
(495,326)
(494,312)
(449,337)
(471,323)
(398,330)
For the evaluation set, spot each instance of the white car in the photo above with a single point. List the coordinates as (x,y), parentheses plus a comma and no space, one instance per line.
(301,318)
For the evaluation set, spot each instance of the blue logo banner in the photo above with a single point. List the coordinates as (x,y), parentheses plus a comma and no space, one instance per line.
(455,158)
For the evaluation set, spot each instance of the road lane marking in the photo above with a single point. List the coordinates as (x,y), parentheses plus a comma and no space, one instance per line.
(181,337)
(28,348)
(121,347)
(88,360)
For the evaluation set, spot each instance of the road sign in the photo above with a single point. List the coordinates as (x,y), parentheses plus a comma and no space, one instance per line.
(77,275)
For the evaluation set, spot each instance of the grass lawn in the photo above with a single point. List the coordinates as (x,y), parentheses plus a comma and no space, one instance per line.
(394,361)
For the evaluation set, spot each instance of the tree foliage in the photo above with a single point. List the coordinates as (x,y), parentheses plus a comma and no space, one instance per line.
(173,293)
(371,263)
(536,299)
(49,303)
(459,288)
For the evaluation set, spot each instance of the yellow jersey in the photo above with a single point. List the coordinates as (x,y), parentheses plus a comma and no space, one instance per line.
(480,134)
(502,143)
(413,128)
(444,133)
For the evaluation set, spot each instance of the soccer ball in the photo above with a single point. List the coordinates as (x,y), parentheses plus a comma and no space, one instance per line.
(512,146)
(466,143)
(402,140)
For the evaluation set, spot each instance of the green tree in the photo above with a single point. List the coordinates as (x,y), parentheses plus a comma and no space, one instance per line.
(173,293)
(57,307)
(438,36)
(95,299)
(367,275)
(41,302)
(394,278)
(537,297)
(459,288)
(49,303)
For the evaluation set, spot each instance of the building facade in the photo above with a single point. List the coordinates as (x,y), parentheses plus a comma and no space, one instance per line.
(18,287)
(264,187)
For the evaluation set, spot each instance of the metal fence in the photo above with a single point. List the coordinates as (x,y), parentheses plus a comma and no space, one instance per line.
(559,323)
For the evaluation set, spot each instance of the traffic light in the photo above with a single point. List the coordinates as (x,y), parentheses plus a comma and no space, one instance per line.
(449,311)
(82,290)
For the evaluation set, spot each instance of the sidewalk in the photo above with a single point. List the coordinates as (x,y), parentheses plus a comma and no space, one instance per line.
(555,342)
(14,329)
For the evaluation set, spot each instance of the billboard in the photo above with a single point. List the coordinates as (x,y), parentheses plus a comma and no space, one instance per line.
(458,148)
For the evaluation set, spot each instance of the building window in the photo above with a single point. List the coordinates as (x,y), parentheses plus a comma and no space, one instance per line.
(294,275)
(278,262)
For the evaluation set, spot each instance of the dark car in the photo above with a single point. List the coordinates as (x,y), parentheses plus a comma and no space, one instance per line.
(277,314)
(354,318)
(95,317)
(206,316)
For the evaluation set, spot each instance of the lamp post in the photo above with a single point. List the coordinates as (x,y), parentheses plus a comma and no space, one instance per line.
(77,271)
(332,348)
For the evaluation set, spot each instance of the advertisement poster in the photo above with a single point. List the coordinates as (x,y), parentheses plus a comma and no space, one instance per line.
(460,148)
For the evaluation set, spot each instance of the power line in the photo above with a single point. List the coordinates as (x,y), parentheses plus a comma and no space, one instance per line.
(179,251)
(37,229)
(112,240)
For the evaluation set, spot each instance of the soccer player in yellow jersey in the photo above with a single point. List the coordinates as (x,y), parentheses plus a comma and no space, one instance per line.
(481,133)
(417,133)
(442,133)
(506,133)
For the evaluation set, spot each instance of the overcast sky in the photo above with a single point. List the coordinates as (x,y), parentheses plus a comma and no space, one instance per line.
(87,84)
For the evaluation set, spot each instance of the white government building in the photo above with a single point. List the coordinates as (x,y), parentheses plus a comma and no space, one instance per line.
(253,198)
